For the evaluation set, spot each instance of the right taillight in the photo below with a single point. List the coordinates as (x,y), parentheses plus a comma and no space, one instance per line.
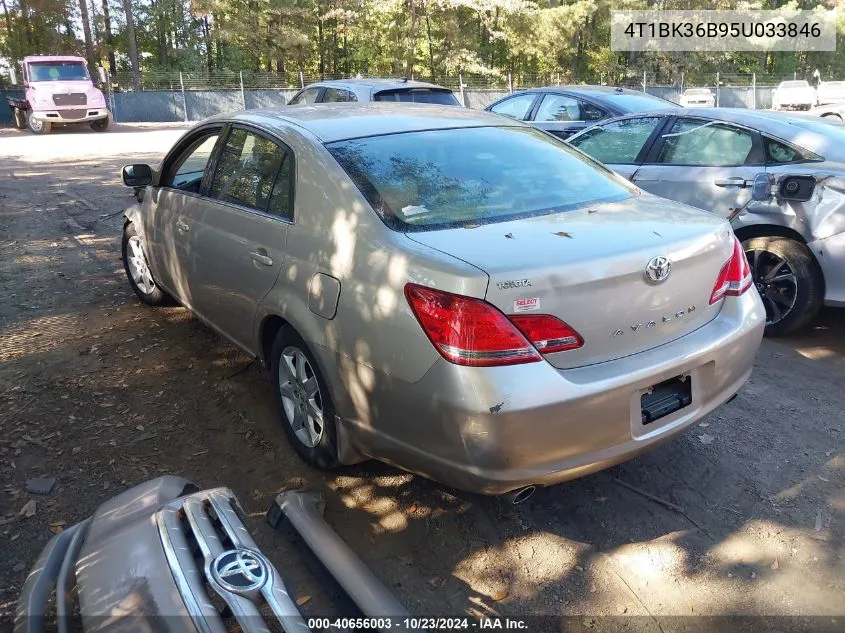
(735,276)
(468,331)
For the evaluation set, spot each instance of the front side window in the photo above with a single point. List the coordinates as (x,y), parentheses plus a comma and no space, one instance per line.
(187,171)
(247,170)
(617,143)
(57,71)
(516,107)
(705,143)
(562,108)
(338,95)
(309,95)
(445,178)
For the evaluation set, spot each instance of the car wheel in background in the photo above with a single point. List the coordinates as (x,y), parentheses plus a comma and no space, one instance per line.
(100,125)
(305,406)
(831,115)
(789,281)
(37,126)
(138,271)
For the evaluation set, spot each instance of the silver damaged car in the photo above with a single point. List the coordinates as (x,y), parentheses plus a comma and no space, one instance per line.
(450,291)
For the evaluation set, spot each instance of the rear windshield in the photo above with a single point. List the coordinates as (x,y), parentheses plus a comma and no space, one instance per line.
(418,95)
(637,102)
(698,92)
(57,71)
(466,176)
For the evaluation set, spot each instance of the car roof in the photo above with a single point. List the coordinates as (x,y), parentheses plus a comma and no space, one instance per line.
(331,122)
(380,83)
(53,58)
(808,132)
(586,89)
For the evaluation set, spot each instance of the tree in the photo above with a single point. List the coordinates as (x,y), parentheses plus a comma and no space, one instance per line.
(107,38)
(86,30)
(132,44)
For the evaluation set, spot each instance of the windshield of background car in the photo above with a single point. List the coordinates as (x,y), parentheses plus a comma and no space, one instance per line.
(57,71)
(632,103)
(418,95)
(698,92)
(447,178)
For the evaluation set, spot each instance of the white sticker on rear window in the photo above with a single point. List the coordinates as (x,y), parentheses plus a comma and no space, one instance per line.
(526,305)
(413,209)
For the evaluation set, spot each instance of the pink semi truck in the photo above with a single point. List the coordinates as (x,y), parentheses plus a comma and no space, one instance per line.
(59,91)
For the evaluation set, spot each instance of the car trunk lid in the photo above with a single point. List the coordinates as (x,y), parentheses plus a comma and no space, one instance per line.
(588,268)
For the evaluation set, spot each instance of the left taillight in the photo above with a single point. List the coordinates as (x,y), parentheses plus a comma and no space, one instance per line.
(734,278)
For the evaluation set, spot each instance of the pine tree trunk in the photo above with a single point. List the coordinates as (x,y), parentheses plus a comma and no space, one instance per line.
(133,44)
(86,32)
(108,38)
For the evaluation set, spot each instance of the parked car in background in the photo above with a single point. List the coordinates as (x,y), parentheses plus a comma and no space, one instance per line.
(794,95)
(830,92)
(832,112)
(59,92)
(708,158)
(430,286)
(363,90)
(698,98)
(565,110)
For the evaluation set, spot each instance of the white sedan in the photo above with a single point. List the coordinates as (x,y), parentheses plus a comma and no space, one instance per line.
(794,95)
(698,98)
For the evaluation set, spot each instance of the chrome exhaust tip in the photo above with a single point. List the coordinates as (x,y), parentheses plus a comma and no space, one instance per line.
(520,495)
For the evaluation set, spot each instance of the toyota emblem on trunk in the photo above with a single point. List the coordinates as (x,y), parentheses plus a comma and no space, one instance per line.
(658,269)
(239,570)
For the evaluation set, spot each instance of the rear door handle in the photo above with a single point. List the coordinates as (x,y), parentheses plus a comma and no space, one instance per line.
(182,227)
(264,260)
(735,181)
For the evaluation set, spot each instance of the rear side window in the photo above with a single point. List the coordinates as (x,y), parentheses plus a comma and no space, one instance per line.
(516,107)
(778,153)
(706,143)
(563,108)
(463,176)
(309,95)
(619,142)
(338,95)
(247,171)
(418,95)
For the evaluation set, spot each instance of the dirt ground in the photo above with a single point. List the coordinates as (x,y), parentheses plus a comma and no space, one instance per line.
(103,392)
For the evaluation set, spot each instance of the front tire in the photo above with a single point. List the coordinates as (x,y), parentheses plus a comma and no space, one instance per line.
(37,126)
(302,397)
(789,281)
(138,271)
(100,125)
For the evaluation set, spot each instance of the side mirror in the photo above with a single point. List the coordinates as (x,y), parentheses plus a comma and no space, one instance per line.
(761,188)
(797,188)
(137,175)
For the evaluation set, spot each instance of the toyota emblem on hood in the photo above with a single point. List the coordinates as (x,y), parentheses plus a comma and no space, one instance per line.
(240,571)
(658,269)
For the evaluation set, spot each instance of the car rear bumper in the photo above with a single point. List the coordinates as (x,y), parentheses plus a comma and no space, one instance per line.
(72,115)
(830,254)
(492,430)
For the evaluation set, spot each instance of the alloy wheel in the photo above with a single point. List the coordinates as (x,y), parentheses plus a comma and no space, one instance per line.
(301,396)
(138,268)
(775,281)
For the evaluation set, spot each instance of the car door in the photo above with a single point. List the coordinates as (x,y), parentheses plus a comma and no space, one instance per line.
(622,144)
(172,209)
(564,115)
(518,106)
(240,243)
(703,163)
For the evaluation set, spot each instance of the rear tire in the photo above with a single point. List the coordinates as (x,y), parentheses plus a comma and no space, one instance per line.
(100,125)
(789,281)
(137,269)
(37,126)
(302,397)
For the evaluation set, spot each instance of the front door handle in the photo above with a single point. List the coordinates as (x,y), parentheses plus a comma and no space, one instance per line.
(182,227)
(734,181)
(264,260)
